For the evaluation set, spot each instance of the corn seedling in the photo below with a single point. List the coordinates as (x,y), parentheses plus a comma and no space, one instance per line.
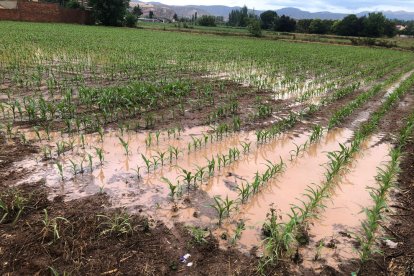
(137,171)
(244,191)
(90,159)
(100,154)
(220,208)
(118,224)
(147,162)
(125,145)
(60,169)
(173,188)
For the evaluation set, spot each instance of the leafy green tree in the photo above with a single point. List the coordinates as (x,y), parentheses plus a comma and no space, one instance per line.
(317,26)
(390,28)
(351,25)
(302,26)
(285,24)
(131,20)
(175,17)
(109,12)
(151,14)
(409,29)
(207,20)
(137,11)
(240,18)
(374,24)
(268,19)
(254,27)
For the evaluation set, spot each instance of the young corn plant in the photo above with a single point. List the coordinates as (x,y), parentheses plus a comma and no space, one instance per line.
(90,159)
(147,162)
(220,208)
(100,154)
(125,145)
(74,167)
(137,171)
(245,146)
(161,156)
(187,176)
(148,140)
(244,191)
(59,166)
(173,188)
(228,205)
(174,152)
(317,133)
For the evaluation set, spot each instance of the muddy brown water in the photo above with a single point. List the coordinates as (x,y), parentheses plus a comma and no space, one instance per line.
(150,194)
(344,212)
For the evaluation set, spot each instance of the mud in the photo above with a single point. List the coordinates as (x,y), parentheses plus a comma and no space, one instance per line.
(332,234)
(102,189)
(83,249)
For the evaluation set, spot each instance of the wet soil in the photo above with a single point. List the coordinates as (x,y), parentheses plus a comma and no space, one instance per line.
(28,248)
(400,225)
(81,249)
(11,152)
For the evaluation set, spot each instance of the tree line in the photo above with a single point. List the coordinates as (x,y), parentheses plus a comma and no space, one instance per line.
(373,25)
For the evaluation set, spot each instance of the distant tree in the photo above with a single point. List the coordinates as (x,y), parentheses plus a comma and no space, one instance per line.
(390,28)
(131,20)
(268,19)
(137,11)
(240,18)
(351,25)
(175,17)
(374,24)
(254,27)
(285,24)
(219,19)
(302,26)
(109,12)
(207,20)
(409,29)
(151,14)
(317,26)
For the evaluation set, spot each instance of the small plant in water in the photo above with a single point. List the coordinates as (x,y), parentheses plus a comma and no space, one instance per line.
(60,169)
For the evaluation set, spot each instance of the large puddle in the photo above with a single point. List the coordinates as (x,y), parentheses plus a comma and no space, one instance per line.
(149,193)
(332,232)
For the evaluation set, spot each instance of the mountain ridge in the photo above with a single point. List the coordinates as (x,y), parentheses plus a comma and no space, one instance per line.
(222,10)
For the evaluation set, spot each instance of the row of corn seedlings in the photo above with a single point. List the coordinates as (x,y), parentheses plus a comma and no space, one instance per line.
(385,179)
(283,237)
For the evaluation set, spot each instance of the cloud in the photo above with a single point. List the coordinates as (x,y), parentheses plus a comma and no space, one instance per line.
(343,6)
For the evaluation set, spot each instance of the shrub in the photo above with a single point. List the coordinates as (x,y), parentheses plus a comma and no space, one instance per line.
(131,20)
(72,4)
(207,20)
(254,28)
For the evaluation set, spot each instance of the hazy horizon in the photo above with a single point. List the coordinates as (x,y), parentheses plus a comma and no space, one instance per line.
(336,6)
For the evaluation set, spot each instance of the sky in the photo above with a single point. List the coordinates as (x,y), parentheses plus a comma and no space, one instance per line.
(341,6)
